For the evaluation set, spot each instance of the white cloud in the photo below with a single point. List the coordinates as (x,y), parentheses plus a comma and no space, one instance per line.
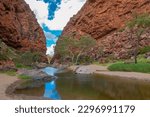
(50,50)
(40,9)
(49,35)
(68,8)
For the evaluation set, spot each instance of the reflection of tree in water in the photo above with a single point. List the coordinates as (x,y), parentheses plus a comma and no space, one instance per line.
(50,91)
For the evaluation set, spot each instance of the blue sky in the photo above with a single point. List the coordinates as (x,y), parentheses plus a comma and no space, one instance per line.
(51,35)
(53,15)
(53,5)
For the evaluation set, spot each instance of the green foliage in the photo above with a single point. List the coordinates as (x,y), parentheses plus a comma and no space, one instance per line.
(64,47)
(86,42)
(139,67)
(140,21)
(10,72)
(3,57)
(19,65)
(6,53)
(85,60)
(23,76)
(27,59)
(142,59)
(145,50)
(22,60)
(70,48)
(137,27)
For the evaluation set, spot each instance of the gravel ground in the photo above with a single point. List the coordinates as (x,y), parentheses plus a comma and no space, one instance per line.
(5,82)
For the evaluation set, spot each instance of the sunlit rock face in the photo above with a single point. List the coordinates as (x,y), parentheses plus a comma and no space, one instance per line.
(103,20)
(19,28)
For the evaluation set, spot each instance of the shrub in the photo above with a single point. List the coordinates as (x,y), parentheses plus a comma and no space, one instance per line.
(27,59)
(23,76)
(142,20)
(85,60)
(145,50)
(6,53)
(131,67)
(20,59)
(3,57)
(9,72)
(19,65)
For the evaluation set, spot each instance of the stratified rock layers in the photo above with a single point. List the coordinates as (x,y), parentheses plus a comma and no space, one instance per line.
(19,28)
(102,19)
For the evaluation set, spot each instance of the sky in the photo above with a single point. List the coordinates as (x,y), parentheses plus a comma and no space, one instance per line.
(53,15)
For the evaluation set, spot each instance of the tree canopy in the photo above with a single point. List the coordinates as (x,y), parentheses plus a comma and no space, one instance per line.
(70,47)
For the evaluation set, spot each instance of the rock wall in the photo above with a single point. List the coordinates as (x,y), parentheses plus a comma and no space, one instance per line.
(19,28)
(102,19)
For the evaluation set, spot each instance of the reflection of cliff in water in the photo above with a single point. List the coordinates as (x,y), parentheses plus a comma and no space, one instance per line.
(101,87)
(122,88)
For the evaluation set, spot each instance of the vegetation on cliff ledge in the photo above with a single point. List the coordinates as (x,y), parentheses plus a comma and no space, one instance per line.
(20,59)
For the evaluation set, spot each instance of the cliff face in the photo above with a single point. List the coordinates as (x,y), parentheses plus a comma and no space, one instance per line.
(19,28)
(102,19)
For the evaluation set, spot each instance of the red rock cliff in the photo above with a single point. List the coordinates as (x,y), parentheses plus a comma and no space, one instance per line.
(103,18)
(19,28)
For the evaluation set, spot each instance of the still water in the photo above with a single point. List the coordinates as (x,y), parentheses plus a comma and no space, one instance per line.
(69,86)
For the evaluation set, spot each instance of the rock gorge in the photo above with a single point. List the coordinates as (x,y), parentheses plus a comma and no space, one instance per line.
(104,19)
(19,28)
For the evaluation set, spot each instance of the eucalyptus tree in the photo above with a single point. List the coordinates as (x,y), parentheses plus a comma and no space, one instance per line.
(137,27)
(74,48)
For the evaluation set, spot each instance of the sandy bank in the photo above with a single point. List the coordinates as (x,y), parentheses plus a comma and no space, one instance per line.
(87,69)
(8,85)
(131,75)
(90,69)
(5,81)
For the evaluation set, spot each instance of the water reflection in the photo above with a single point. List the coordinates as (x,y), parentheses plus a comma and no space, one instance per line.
(50,71)
(50,87)
(73,86)
(89,87)
(50,91)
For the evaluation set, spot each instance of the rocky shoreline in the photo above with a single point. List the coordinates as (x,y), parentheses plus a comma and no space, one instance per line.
(10,83)
(36,75)
(17,85)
